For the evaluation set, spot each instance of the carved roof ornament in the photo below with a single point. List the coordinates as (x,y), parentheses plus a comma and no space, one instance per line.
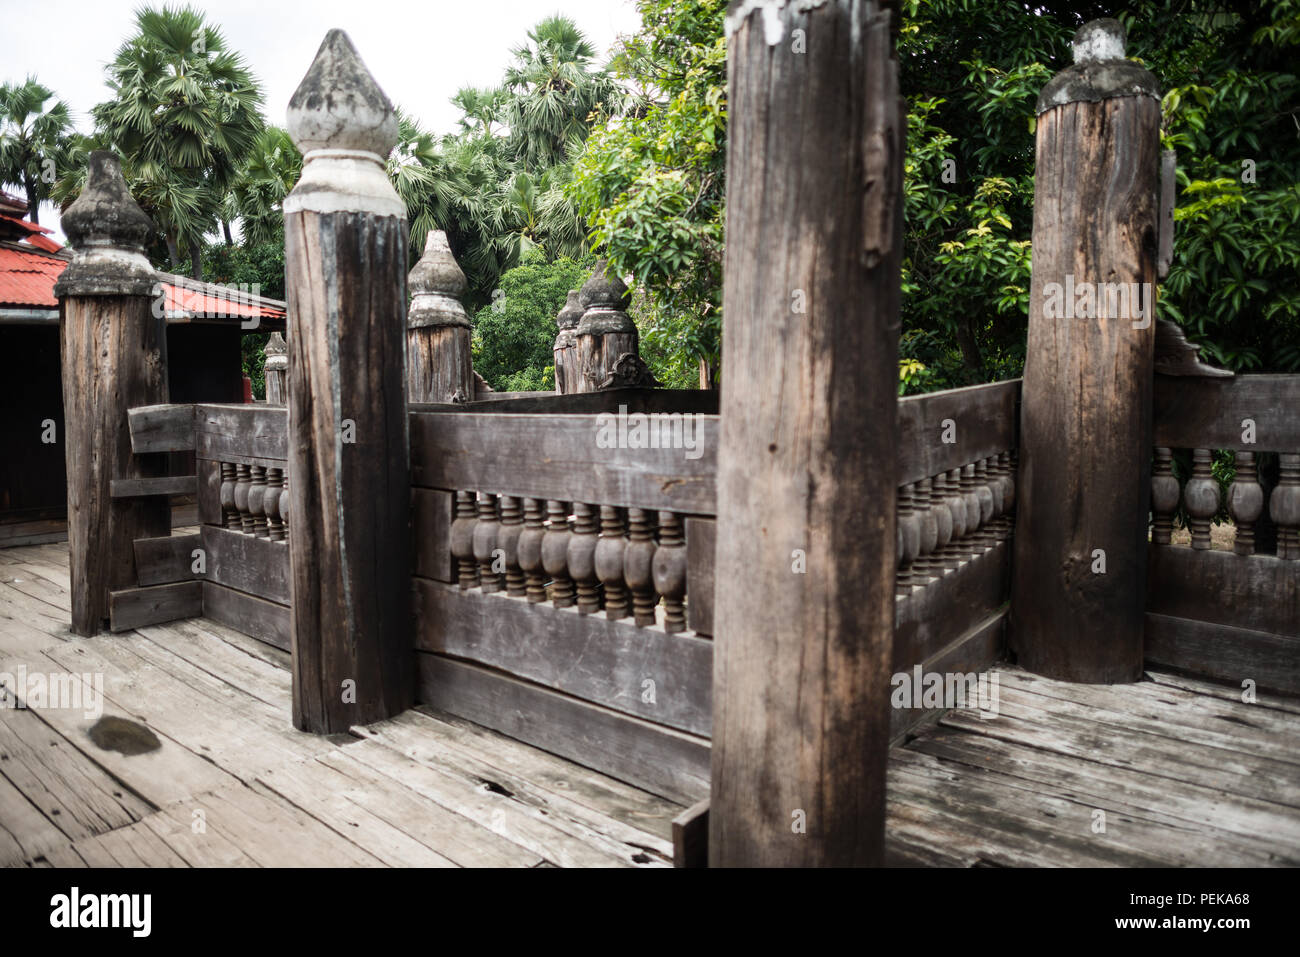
(108,231)
(630,372)
(277,353)
(1100,70)
(437,285)
(604,299)
(571,314)
(345,127)
(1174,355)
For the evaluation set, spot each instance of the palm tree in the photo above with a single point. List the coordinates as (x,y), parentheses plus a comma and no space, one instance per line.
(482,107)
(184,115)
(557,96)
(256,197)
(33,140)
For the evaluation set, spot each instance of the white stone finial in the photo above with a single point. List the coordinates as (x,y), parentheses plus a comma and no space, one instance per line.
(345,127)
(1099,40)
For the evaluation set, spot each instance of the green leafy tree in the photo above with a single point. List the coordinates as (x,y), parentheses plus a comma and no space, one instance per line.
(34,139)
(515,334)
(651,183)
(256,197)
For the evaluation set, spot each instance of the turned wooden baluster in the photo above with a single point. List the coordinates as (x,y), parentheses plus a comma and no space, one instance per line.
(1284,507)
(951,552)
(909,539)
(1164,496)
(229,514)
(1201,496)
(243,485)
(485,543)
(555,557)
(257,501)
(1006,472)
(1245,502)
(669,569)
(975,516)
(582,556)
(512,527)
(609,562)
(922,499)
(284,506)
(274,490)
(530,550)
(988,506)
(638,565)
(462,540)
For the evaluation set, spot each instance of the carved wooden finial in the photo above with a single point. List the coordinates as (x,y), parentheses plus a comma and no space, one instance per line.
(107,231)
(571,314)
(1174,355)
(604,299)
(1099,71)
(436,285)
(345,127)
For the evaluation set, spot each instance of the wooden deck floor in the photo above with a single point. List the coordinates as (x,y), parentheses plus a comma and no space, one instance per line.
(1180,772)
(231,782)
(1184,772)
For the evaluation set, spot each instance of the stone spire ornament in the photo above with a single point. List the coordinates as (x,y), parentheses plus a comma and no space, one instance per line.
(276,370)
(107,231)
(567,370)
(440,367)
(114,358)
(606,334)
(345,126)
(349,461)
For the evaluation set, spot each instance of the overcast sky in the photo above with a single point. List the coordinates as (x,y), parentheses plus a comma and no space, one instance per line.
(420,51)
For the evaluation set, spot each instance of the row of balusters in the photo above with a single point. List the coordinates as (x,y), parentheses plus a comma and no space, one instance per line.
(1200,496)
(595,557)
(948,518)
(255,500)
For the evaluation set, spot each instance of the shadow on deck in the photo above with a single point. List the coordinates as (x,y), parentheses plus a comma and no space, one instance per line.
(1177,771)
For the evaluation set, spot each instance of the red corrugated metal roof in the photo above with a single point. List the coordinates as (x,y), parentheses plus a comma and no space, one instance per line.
(27,278)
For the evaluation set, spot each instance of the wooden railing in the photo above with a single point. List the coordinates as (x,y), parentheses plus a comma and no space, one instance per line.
(564,590)
(955,504)
(1233,614)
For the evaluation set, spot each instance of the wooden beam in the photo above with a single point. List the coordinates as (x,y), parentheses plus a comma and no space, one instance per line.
(1085,435)
(161,428)
(807,471)
(701,543)
(349,465)
(662,678)
(691,836)
(159,561)
(657,759)
(1224,652)
(255,566)
(547,456)
(1257,592)
(241,433)
(1196,413)
(431,515)
(161,485)
(136,607)
(264,620)
(941,431)
(704,402)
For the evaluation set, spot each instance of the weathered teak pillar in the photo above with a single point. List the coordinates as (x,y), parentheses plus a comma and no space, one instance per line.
(605,331)
(438,330)
(567,372)
(1079,581)
(114,358)
(276,370)
(345,256)
(804,601)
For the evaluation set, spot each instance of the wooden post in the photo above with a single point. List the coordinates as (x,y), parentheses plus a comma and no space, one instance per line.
(807,474)
(606,332)
(276,370)
(567,372)
(438,330)
(349,459)
(114,358)
(1079,581)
